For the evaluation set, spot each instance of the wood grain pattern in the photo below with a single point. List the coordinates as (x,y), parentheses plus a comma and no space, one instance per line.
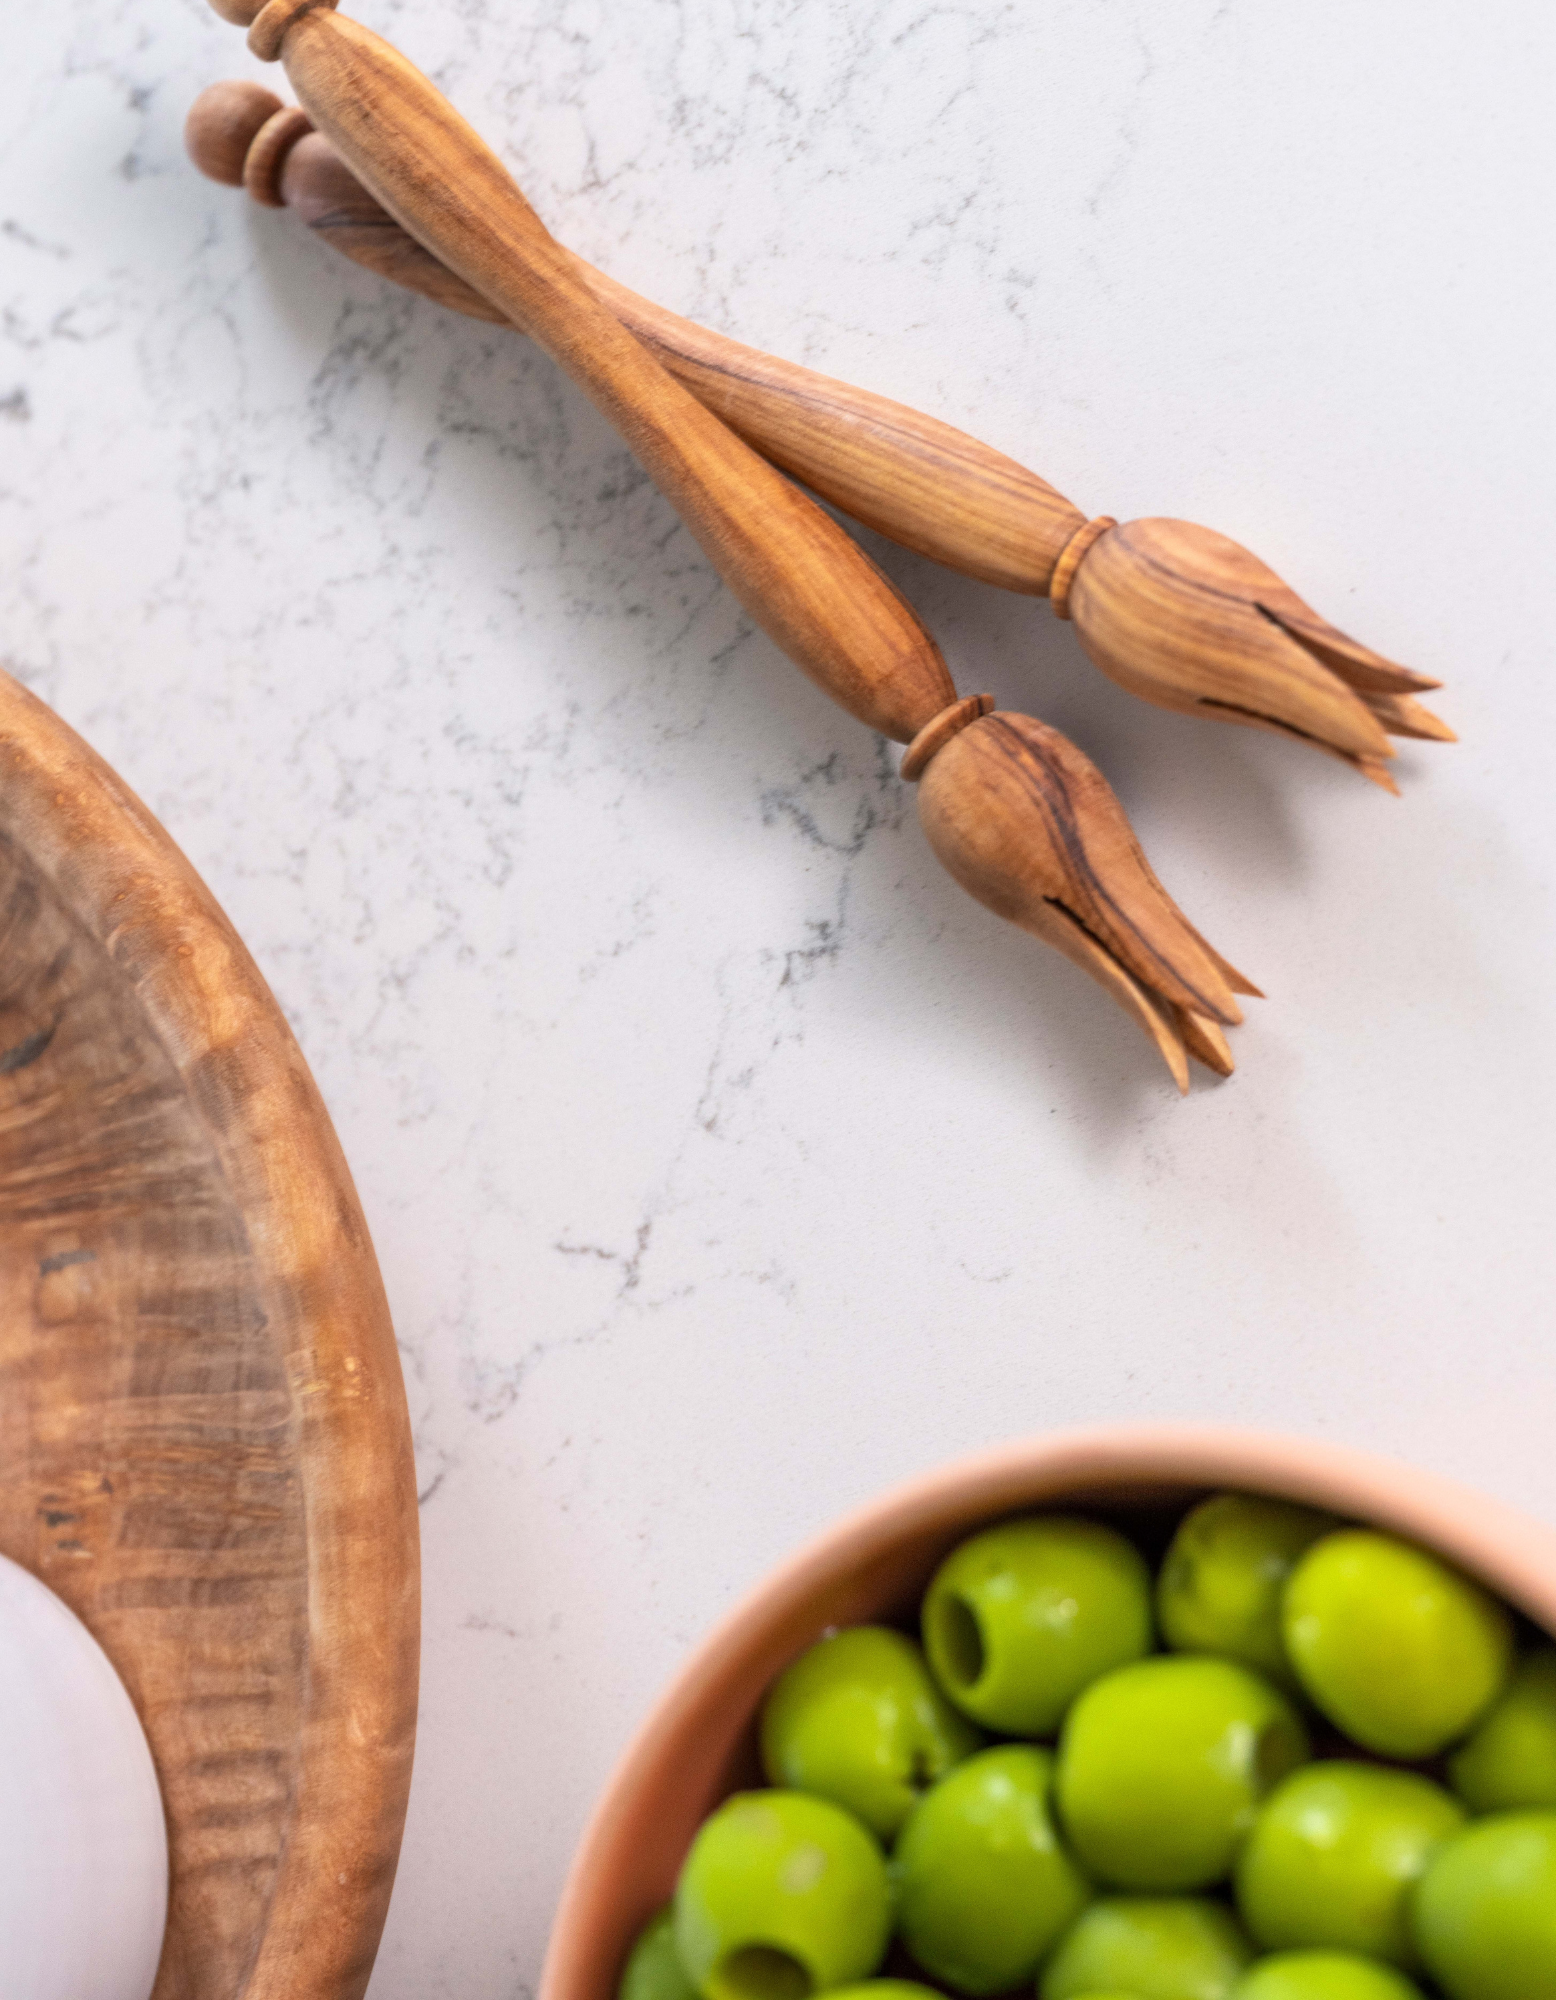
(795,570)
(203,1437)
(915,479)
(1191,620)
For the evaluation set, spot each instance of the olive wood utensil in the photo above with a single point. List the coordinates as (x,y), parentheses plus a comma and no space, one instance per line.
(1019,816)
(1175,613)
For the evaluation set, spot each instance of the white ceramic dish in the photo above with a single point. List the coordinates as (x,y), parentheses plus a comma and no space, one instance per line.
(83,1841)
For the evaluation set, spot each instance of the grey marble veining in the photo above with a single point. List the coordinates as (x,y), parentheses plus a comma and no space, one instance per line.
(725,1162)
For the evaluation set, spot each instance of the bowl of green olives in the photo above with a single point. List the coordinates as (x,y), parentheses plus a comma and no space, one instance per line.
(1154,1713)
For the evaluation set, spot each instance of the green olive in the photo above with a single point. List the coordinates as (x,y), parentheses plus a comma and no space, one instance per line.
(1398,1650)
(1510,1760)
(1335,1854)
(654,1970)
(858,1720)
(1485,1911)
(884,1989)
(1221,1580)
(1164,1764)
(781,1896)
(1020,1618)
(1151,1948)
(984,1886)
(1323,1975)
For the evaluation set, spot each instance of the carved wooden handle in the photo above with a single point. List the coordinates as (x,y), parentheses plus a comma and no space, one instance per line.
(793,568)
(1176,614)
(919,481)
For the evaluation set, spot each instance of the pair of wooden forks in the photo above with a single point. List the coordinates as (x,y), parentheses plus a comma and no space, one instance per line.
(384,168)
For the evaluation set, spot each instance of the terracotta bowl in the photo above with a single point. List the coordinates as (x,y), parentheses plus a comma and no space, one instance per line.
(698,1744)
(203,1438)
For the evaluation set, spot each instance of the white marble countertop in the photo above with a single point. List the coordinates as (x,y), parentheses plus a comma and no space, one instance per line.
(725,1161)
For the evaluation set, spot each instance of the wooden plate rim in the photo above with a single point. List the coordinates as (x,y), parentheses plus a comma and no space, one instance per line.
(121,875)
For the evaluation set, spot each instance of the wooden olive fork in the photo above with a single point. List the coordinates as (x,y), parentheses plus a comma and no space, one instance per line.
(1179,615)
(1017,814)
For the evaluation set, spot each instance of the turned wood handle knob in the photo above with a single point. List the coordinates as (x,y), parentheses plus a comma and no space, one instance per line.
(242,134)
(266,20)
(223,123)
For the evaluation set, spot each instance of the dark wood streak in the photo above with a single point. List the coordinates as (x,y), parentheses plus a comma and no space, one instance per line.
(1024,752)
(28,1052)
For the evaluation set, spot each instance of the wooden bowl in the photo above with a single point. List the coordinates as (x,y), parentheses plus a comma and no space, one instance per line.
(204,1446)
(698,1743)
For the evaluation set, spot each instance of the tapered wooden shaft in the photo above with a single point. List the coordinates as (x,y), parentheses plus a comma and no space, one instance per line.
(919,481)
(794,569)
(1178,615)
